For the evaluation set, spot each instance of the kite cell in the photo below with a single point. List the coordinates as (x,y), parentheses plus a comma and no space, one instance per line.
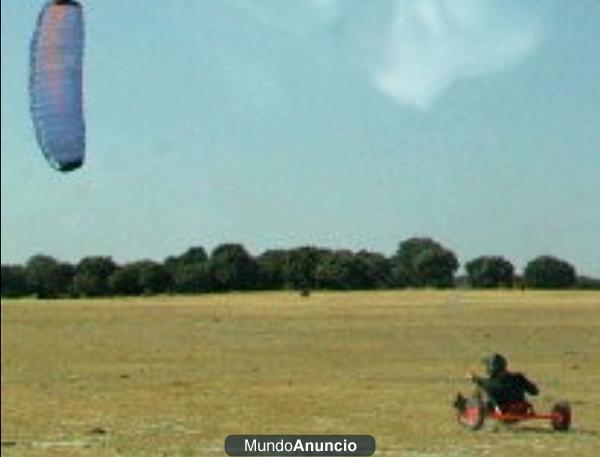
(56,84)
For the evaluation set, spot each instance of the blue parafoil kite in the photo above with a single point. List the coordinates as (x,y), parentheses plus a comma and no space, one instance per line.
(56,84)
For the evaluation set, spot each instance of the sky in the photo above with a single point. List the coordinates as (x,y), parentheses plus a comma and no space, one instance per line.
(338,123)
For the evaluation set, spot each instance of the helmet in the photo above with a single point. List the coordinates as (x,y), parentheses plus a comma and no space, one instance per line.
(495,364)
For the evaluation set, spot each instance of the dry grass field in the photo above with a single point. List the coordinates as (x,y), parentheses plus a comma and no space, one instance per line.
(169,376)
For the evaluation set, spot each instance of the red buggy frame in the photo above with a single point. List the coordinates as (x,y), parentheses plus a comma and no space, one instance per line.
(475,412)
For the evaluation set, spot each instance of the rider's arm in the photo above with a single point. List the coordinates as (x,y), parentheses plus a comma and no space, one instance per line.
(528,386)
(480,381)
(531,388)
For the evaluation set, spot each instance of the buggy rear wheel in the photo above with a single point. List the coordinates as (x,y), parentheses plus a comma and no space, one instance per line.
(561,421)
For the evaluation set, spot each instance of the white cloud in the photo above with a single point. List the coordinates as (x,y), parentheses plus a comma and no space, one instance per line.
(428,45)
(434,43)
(410,50)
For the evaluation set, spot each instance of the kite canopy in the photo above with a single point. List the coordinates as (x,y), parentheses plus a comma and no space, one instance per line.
(56,84)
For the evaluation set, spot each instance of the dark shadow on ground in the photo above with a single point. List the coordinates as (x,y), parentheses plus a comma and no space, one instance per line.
(548,431)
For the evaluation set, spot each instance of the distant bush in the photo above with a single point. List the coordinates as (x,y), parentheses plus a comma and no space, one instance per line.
(490,271)
(547,272)
(190,279)
(271,266)
(49,278)
(341,270)
(423,262)
(144,277)
(193,256)
(91,276)
(126,280)
(587,283)
(231,267)
(300,269)
(13,282)
(153,278)
(377,268)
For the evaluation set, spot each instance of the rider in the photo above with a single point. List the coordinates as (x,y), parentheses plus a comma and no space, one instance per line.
(501,387)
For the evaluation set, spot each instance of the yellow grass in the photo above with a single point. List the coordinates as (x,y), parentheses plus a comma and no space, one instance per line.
(174,376)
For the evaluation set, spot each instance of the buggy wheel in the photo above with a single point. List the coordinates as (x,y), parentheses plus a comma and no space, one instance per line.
(473,414)
(562,420)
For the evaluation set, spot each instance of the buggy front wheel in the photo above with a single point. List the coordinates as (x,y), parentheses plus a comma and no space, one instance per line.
(473,414)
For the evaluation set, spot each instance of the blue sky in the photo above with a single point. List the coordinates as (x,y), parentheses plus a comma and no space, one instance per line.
(328,122)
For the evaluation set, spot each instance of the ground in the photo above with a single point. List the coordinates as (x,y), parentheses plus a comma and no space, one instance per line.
(173,376)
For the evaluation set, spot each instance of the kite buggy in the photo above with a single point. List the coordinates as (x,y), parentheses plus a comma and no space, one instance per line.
(501,396)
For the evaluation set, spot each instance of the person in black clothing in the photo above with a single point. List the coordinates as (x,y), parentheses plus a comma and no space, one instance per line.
(500,386)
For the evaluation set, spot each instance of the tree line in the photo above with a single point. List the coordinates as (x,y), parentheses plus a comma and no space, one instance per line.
(417,263)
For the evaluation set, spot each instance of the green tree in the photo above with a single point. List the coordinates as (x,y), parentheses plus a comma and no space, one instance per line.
(272,264)
(231,268)
(189,271)
(547,272)
(153,277)
(13,282)
(378,269)
(195,255)
(301,265)
(490,271)
(49,278)
(423,262)
(190,279)
(126,280)
(588,283)
(341,270)
(144,277)
(91,276)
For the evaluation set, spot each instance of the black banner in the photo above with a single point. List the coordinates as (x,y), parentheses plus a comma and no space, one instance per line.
(299,445)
